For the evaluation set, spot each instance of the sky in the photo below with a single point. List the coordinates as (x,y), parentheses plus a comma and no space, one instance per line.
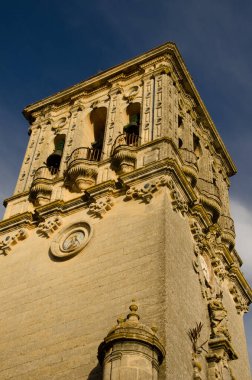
(46,46)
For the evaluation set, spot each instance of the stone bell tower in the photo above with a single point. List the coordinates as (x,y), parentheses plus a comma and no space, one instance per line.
(123,194)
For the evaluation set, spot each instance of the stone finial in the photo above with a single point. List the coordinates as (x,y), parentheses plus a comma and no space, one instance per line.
(131,339)
(133,316)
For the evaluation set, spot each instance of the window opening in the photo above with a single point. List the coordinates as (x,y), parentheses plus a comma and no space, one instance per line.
(54,160)
(196,146)
(133,112)
(180,121)
(98,120)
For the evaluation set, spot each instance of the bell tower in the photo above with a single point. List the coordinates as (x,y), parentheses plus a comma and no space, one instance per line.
(123,194)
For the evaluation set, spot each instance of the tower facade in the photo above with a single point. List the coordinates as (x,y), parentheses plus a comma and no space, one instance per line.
(123,194)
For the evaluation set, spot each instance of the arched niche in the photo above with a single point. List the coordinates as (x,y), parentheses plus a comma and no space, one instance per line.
(53,161)
(197,147)
(133,113)
(94,128)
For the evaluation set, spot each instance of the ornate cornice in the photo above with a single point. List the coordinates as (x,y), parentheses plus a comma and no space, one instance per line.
(24,220)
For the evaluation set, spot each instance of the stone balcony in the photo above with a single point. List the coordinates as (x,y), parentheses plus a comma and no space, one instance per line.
(123,152)
(190,166)
(82,168)
(210,198)
(41,187)
(228,232)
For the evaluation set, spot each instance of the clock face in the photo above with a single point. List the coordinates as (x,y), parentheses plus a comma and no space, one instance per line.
(71,240)
(204,268)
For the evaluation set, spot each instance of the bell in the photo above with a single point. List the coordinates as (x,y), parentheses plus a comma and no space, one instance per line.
(53,161)
(133,126)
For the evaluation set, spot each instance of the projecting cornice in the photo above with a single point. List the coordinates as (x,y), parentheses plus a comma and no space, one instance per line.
(134,67)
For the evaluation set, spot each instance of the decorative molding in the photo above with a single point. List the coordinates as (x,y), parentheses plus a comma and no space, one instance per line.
(71,240)
(240,303)
(46,228)
(218,318)
(145,193)
(7,243)
(178,203)
(99,208)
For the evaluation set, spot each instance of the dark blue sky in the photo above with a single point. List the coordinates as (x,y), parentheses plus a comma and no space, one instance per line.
(49,45)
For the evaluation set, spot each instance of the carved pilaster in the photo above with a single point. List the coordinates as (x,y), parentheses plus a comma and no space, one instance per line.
(30,160)
(148,98)
(160,116)
(111,129)
(72,138)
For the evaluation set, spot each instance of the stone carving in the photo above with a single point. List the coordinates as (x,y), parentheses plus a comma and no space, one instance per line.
(41,187)
(198,263)
(240,303)
(146,193)
(218,367)
(131,94)
(198,235)
(99,208)
(209,267)
(50,225)
(71,240)
(219,268)
(178,203)
(111,120)
(9,241)
(147,109)
(218,318)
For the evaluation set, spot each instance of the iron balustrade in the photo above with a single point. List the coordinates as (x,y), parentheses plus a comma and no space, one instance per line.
(84,153)
(45,172)
(126,139)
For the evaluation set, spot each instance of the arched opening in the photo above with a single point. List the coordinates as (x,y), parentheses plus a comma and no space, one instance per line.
(180,143)
(133,112)
(54,160)
(98,121)
(196,146)
(180,121)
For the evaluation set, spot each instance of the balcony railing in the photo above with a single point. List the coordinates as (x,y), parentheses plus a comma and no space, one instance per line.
(126,139)
(45,172)
(84,153)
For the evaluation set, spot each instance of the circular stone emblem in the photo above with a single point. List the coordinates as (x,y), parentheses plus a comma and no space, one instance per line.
(71,240)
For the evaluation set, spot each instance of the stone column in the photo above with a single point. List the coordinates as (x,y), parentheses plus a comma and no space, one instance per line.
(131,350)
